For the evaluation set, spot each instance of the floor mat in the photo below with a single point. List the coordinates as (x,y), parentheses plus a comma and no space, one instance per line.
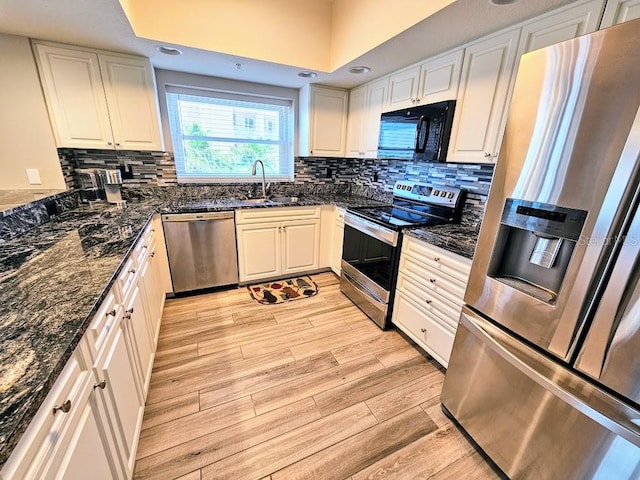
(283,290)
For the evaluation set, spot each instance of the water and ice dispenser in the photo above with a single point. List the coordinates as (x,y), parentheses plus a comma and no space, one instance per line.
(534,246)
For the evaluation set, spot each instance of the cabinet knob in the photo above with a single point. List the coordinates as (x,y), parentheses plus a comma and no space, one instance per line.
(128,313)
(152,254)
(428,302)
(436,259)
(145,246)
(112,313)
(417,100)
(100,385)
(423,330)
(432,280)
(132,271)
(487,154)
(64,408)
(117,144)
(109,143)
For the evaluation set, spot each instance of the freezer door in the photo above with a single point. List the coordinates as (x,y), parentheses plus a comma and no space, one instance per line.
(610,351)
(534,418)
(572,141)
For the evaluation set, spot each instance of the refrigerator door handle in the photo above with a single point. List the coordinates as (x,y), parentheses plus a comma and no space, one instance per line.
(616,323)
(594,403)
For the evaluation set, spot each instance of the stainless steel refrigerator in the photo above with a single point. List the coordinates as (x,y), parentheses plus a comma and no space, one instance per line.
(545,369)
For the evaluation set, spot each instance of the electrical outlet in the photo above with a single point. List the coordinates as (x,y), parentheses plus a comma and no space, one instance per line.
(33,175)
(375,176)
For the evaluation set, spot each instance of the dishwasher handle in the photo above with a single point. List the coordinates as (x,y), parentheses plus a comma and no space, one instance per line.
(194,217)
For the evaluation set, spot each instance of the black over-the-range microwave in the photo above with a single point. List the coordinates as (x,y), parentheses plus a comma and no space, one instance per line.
(419,133)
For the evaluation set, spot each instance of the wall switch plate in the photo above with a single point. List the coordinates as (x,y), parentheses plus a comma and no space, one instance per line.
(33,175)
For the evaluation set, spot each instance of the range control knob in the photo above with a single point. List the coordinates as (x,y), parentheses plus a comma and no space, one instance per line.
(435,193)
(450,195)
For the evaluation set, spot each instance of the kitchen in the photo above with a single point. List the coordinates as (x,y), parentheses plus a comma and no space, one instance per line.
(333,169)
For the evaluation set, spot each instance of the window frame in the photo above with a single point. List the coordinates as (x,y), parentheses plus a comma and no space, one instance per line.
(286,142)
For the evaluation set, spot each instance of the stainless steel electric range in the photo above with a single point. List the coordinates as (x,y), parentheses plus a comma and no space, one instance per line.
(373,236)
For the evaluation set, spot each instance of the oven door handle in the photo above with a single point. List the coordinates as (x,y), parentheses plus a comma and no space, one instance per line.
(385,235)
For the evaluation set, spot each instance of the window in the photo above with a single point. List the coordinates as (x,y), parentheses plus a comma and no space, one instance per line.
(217,135)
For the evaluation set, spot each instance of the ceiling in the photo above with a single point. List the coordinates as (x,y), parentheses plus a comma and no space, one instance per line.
(103,24)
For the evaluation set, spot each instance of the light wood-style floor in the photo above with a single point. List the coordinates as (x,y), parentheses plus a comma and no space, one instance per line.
(306,389)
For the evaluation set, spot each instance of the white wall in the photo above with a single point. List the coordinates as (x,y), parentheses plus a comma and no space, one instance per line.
(26,138)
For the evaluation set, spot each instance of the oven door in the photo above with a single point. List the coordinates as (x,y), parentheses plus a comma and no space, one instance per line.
(368,264)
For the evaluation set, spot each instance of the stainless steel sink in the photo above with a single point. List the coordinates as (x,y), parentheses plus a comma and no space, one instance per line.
(285,199)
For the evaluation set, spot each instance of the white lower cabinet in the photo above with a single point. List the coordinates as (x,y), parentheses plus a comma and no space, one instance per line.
(277,242)
(89,423)
(429,296)
(337,241)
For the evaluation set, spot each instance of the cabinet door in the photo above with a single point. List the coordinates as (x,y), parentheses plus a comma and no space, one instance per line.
(482,100)
(259,251)
(328,122)
(151,280)
(355,126)
(336,242)
(619,11)
(440,77)
(85,453)
(130,91)
(75,97)
(377,93)
(123,402)
(563,24)
(137,324)
(301,246)
(403,89)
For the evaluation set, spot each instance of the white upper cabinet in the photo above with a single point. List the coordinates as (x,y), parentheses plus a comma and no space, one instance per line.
(323,121)
(440,77)
(130,91)
(481,108)
(432,81)
(403,88)
(366,104)
(560,25)
(99,100)
(619,11)
(356,124)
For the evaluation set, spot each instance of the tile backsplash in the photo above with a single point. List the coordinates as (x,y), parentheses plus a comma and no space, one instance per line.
(368,177)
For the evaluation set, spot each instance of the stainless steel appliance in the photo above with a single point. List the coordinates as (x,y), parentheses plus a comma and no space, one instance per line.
(545,368)
(88,186)
(419,133)
(372,239)
(111,182)
(202,250)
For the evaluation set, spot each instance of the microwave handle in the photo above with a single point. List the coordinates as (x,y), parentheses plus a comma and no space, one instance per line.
(425,123)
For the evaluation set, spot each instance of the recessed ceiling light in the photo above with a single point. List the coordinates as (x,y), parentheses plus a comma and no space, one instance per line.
(360,69)
(502,2)
(307,74)
(169,50)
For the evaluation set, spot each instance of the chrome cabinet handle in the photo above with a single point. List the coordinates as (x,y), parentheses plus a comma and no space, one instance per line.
(128,313)
(100,385)
(64,408)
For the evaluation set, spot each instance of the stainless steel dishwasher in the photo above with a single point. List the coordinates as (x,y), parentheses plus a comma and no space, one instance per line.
(202,249)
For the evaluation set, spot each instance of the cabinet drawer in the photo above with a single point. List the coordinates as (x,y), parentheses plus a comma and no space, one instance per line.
(141,249)
(429,301)
(41,439)
(423,328)
(438,258)
(435,280)
(276,214)
(127,278)
(102,323)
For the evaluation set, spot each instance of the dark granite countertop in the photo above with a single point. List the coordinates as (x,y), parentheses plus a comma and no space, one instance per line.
(52,280)
(460,238)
